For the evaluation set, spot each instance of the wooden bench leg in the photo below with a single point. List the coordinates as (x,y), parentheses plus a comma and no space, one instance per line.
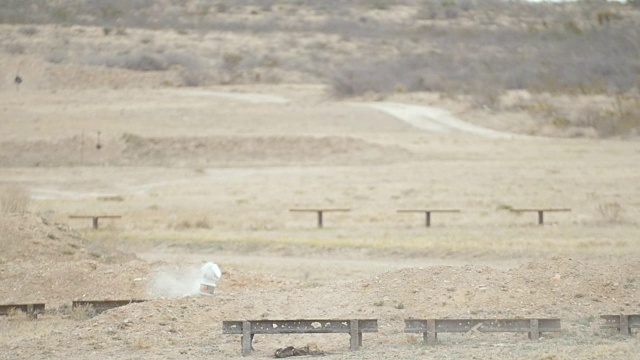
(540,217)
(95,223)
(431,337)
(534,330)
(428,219)
(247,338)
(319,219)
(624,325)
(356,335)
(31,313)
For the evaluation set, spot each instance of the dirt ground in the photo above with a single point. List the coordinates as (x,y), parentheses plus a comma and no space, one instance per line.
(211,174)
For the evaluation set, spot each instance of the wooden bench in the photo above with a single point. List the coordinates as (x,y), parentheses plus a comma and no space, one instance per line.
(624,323)
(251,327)
(319,212)
(540,212)
(428,213)
(32,310)
(431,327)
(102,305)
(95,218)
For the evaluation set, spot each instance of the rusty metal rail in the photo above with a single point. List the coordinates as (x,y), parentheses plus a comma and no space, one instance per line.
(623,323)
(95,218)
(249,328)
(102,305)
(540,212)
(431,327)
(428,213)
(32,310)
(319,212)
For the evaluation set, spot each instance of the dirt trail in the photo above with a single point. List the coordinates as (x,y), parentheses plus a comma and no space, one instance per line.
(435,120)
(422,117)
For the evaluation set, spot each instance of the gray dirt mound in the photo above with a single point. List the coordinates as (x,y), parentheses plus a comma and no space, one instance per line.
(557,288)
(257,150)
(28,237)
(571,290)
(58,283)
(48,262)
(134,150)
(59,152)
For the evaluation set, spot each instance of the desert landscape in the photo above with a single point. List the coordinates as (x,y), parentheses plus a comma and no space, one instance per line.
(202,124)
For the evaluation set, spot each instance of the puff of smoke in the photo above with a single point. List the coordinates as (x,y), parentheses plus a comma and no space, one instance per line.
(175,282)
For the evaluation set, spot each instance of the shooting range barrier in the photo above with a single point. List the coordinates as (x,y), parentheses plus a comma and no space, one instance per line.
(32,310)
(319,212)
(428,213)
(623,323)
(431,327)
(95,218)
(249,328)
(540,212)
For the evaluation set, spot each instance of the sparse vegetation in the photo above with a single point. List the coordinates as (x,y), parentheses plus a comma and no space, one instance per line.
(610,212)
(14,199)
(80,313)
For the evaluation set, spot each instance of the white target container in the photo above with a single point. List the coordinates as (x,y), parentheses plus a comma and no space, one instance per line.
(210,275)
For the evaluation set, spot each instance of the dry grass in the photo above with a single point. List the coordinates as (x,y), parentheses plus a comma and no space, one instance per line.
(80,313)
(610,212)
(15,330)
(14,199)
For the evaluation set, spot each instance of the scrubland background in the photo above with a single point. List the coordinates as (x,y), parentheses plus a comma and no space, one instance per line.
(202,123)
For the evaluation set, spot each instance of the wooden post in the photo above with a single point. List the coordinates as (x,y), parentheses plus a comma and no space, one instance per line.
(319,212)
(95,223)
(356,335)
(540,213)
(534,330)
(247,338)
(624,325)
(431,336)
(427,213)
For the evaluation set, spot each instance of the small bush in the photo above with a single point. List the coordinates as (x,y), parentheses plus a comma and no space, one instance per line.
(14,199)
(28,30)
(57,56)
(610,212)
(15,49)
(136,61)
(80,313)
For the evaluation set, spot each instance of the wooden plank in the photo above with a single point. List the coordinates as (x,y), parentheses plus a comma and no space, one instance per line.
(95,216)
(304,326)
(428,213)
(316,210)
(249,328)
(319,212)
(434,210)
(431,327)
(622,323)
(31,309)
(536,210)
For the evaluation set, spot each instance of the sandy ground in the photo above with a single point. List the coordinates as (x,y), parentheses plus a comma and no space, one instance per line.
(210,175)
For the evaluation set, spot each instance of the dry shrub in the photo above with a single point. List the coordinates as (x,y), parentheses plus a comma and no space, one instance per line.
(14,199)
(610,212)
(621,118)
(84,312)
(17,315)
